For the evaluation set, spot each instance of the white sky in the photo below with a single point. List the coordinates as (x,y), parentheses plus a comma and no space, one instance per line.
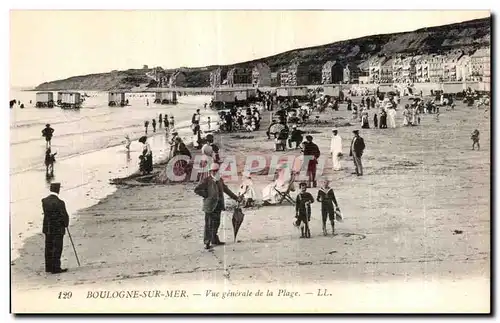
(50,45)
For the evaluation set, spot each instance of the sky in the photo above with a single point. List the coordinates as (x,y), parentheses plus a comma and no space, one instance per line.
(48,45)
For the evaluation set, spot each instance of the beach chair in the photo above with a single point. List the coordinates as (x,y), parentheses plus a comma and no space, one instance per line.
(285,195)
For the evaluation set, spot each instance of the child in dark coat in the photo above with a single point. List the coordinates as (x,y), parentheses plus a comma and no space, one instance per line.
(475,139)
(50,159)
(326,197)
(303,210)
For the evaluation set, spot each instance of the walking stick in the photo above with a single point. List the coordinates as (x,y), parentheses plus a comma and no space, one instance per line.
(306,222)
(71,239)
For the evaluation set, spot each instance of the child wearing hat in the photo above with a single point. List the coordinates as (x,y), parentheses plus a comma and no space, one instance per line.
(303,210)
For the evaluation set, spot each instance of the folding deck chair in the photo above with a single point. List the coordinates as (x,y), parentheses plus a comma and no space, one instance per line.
(285,195)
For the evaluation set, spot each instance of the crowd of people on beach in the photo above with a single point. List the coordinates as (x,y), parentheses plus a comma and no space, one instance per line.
(211,187)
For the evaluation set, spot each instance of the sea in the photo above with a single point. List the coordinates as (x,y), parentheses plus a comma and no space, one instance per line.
(90,146)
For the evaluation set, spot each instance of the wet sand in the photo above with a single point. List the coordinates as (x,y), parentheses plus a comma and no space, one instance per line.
(420,216)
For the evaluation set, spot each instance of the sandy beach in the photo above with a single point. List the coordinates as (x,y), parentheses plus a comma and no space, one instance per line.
(419,217)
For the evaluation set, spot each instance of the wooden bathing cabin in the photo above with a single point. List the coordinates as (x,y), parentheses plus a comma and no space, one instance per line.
(44,100)
(293,92)
(166,97)
(69,100)
(116,99)
(226,98)
(333,91)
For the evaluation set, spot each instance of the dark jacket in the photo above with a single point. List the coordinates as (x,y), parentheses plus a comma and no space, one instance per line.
(301,203)
(359,146)
(55,216)
(326,197)
(213,193)
(47,132)
(296,135)
(311,149)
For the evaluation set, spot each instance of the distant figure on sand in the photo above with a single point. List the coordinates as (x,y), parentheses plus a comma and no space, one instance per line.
(475,139)
(146,125)
(208,120)
(172,121)
(160,120)
(153,122)
(165,121)
(357,148)
(47,132)
(128,142)
(336,149)
(50,159)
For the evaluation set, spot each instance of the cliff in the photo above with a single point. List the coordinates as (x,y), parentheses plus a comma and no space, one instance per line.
(467,36)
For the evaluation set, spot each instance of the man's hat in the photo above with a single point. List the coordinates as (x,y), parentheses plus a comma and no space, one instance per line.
(355,131)
(334,129)
(55,187)
(47,125)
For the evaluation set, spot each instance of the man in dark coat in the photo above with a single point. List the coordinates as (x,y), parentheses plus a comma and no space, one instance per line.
(311,154)
(55,220)
(296,136)
(212,189)
(357,148)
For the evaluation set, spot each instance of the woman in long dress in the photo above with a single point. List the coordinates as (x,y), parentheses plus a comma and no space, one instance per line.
(391,118)
(247,190)
(180,149)
(406,116)
(146,164)
(364,120)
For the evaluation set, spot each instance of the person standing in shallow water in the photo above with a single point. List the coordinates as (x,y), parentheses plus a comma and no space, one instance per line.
(47,132)
(146,125)
(153,123)
(146,164)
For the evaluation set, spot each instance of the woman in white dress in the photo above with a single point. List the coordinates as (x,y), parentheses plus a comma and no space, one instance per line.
(391,114)
(406,116)
(247,190)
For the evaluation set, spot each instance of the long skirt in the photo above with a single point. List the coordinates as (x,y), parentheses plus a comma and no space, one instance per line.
(148,163)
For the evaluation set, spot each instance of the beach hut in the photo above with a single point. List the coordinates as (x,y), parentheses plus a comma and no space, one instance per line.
(166,97)
(69,100)
(116,99)
(332,90)
(292,92)
(226,98)
(44,100)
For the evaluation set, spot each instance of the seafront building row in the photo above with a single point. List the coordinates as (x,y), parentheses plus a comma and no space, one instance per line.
(455,66)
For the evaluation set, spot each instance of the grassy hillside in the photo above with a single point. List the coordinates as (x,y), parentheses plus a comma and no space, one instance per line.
(102,81)
(468,36)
